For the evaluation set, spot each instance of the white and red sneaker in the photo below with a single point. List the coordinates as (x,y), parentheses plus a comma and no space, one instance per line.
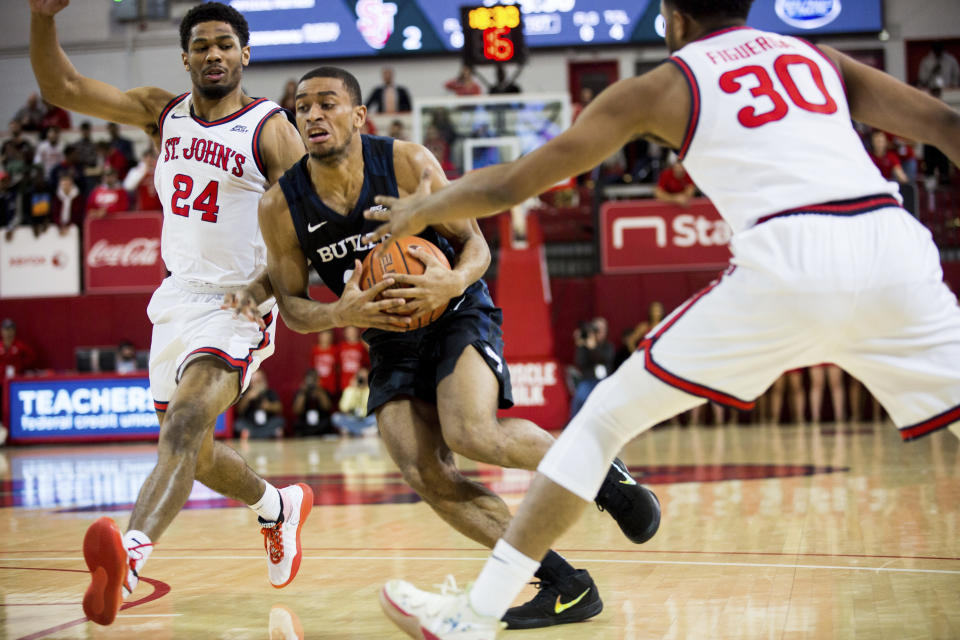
(109,565)
(447,615)
(281,539)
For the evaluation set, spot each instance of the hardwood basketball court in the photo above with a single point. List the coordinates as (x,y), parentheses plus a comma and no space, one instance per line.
(831,531)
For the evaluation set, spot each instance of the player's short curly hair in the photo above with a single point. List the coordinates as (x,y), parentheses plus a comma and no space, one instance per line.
(713,8)
(214,12)
(348,79)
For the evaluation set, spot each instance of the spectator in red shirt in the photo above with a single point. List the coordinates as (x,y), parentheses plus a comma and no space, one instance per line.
(55,117)
(109,197)
(886,158)
(16,356)
(139,181)
(352,355)
(675,186)
(464,84)
(324,359)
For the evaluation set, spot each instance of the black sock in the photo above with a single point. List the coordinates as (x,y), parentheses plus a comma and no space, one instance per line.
(553,568)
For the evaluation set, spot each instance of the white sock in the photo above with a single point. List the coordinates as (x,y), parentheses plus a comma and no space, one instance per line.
(138,547)
(503,577)
(268,507)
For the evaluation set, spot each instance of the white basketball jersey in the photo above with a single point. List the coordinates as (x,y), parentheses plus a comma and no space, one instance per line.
(210,177)
(770,127)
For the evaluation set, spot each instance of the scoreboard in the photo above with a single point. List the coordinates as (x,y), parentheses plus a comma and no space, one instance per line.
(318,29)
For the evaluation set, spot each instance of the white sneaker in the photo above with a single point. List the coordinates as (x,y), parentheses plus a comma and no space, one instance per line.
(436,616)
(282,539)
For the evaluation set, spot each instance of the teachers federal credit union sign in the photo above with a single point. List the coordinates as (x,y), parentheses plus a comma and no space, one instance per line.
(83,408)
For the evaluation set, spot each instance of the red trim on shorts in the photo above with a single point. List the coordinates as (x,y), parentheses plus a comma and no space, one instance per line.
(937,422)
(694,118)
(240,365)
(683,384)
(160,406)
(852,207)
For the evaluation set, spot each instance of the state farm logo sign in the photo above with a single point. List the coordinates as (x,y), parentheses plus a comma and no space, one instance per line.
(122,253)
(40,265)
(640,236)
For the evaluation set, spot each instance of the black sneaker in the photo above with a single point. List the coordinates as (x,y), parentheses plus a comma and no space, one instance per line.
(574,599)
(634,507)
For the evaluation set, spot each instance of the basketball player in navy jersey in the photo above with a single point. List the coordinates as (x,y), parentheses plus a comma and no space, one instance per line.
(435,390)
(219,149)
(827,266)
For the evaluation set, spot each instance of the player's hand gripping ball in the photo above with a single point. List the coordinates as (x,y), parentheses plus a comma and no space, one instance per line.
(380,264)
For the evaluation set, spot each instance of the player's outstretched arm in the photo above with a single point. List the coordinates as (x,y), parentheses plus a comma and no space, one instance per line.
(655,103)
(289,278)
(437,285)
(882,101)
(61,84)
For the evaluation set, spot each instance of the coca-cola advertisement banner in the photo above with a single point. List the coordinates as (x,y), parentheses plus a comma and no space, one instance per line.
(122,253)
(38,266)
(641,236)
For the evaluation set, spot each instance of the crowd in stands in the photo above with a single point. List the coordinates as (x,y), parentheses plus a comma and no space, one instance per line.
(804,390)
(45,180)
(331,399)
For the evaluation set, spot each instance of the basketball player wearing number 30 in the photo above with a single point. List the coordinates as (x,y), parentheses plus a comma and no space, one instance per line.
(827,267)
(435,390)
(219,149)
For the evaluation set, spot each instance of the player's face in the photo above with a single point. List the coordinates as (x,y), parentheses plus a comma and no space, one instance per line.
(327,118)
(215,59)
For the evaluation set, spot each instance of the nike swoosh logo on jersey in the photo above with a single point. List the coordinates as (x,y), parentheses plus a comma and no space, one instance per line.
(176,117)
(313,227)
(560,607)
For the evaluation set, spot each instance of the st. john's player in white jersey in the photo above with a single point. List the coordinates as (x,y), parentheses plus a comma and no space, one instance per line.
(827,267)
(219,150)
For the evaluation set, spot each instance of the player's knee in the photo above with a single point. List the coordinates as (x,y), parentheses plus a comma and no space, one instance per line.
(432,482)
(182,432)
(469,435)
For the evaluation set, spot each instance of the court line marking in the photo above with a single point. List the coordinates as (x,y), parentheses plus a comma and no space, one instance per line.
(779,554)
(694,563)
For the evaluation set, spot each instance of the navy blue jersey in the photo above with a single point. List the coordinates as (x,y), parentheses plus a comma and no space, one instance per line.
(331,241)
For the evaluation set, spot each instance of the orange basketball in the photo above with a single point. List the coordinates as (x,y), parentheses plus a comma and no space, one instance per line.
(379,264)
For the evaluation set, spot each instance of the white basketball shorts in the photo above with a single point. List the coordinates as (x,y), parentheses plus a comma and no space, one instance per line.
(864,292)
(189,324)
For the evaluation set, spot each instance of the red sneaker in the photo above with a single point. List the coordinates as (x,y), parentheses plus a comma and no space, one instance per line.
(107,561)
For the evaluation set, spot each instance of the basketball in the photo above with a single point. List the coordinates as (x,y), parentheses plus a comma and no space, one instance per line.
(380,264)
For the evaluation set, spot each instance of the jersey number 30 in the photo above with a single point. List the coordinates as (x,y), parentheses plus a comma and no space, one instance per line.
(205,202)
(731,82)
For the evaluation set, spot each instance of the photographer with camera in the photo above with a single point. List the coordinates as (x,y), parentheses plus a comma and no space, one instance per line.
(352,419)
(259,410)
(594,359)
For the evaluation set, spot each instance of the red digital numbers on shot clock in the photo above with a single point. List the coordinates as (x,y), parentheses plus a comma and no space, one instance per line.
(492,35)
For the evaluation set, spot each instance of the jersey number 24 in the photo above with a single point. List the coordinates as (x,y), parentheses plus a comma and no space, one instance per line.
(206,201)
(731,82)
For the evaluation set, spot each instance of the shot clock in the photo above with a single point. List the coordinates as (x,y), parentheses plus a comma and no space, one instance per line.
(492,35)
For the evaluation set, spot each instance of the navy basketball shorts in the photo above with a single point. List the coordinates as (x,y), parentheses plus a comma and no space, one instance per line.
(413,363)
